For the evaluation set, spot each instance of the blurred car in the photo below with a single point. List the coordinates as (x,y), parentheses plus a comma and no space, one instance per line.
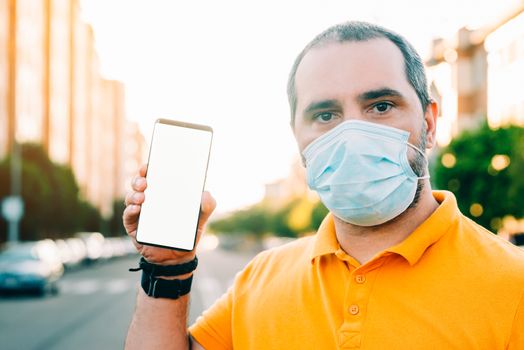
(94,243)
(72,252)
(118,246)
(78,249)
(31,266)
(66,253)
(108,250)
(129,247)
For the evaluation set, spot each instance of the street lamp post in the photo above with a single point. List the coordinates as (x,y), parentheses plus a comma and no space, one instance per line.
(12,207)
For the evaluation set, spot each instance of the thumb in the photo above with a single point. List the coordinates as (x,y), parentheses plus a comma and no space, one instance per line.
(206,209)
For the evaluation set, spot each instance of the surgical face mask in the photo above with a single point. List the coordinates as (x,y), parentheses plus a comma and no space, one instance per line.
(361,172)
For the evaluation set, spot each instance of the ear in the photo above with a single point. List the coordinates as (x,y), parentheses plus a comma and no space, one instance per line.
(430,117)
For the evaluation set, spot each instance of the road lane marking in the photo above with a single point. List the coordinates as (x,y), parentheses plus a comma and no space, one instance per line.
(118,286)
(92,286)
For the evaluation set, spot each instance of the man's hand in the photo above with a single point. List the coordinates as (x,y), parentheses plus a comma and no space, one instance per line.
(134,200)
(159,323)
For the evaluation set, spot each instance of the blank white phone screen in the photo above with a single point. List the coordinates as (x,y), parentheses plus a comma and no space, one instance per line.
(176,174)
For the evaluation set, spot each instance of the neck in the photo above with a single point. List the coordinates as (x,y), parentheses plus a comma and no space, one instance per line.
(363,243)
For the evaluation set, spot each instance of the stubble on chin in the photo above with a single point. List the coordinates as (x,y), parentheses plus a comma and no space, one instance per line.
(419,166)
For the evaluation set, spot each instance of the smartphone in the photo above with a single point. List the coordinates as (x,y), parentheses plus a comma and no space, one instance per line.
(176,175)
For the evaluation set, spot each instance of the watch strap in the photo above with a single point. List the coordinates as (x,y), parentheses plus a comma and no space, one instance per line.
(162,288)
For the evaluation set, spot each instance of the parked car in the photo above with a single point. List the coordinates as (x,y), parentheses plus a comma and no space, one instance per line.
(117,246)
(94,242)
(72,252)
(78,249)
(31,266)
(107,250)
(66,254)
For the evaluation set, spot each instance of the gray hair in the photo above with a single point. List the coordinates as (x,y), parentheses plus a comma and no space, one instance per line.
(362,31)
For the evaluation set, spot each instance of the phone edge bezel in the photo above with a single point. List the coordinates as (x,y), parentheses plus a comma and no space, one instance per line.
(191,126)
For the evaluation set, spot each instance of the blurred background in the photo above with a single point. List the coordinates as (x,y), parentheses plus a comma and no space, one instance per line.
(81,83)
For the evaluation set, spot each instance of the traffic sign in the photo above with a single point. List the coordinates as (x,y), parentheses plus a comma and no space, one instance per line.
(13,208)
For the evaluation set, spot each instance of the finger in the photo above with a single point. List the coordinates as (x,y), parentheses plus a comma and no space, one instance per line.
(207,207)
(130,218)
(135,198)
(139,184)
(143,170)
(132,236)
(127,200)
(137,245)
(131,224)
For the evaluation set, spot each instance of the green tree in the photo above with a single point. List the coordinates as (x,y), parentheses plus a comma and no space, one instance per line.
(89,218)
(262,218)
(116,226)
(50,192)
(319,213)
(484,168)
(279,224)
(36,193)
(253,220)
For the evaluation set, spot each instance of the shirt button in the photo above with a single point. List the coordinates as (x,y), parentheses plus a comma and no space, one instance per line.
(353,309)
(360,279)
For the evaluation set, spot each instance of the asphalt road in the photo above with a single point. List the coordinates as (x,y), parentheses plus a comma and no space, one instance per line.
(95,304)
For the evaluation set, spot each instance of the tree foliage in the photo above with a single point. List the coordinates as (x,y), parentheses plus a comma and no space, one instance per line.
(298,216)
(52,205)
(116,226)
(485,170)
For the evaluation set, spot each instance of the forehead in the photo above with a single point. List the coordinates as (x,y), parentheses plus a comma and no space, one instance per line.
(336,70)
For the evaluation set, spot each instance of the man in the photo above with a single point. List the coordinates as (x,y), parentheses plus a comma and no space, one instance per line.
(394,265)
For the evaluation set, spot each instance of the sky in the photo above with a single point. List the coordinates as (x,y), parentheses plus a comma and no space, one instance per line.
(226,63)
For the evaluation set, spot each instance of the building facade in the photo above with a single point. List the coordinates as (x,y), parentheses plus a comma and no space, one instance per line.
(478,75)
(5,79)
(457,72)
(52,93)
(505,56)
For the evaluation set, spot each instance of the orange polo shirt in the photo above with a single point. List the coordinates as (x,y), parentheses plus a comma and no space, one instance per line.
(450,285)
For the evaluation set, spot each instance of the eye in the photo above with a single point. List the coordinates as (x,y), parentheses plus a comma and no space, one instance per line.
(382,107)
(324,117)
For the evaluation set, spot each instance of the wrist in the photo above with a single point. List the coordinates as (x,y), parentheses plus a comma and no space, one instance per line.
(162,288)
(157,270)
(166,281)
(171,262)
(179,277)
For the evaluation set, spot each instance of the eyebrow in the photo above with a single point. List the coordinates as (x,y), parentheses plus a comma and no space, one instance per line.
(323,104)
(379,93)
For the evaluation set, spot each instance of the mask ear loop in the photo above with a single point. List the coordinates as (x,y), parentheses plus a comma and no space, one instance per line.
(303,159)
(423,156)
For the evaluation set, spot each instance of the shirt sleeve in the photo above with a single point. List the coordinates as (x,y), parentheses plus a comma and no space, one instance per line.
(212,330)
(516,340)
(216,327)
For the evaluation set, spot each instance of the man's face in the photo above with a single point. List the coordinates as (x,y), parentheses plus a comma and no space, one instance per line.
(358,80)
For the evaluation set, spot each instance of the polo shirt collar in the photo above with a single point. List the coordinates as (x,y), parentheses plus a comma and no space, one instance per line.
(325,241)
(412,248)
(431,230)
